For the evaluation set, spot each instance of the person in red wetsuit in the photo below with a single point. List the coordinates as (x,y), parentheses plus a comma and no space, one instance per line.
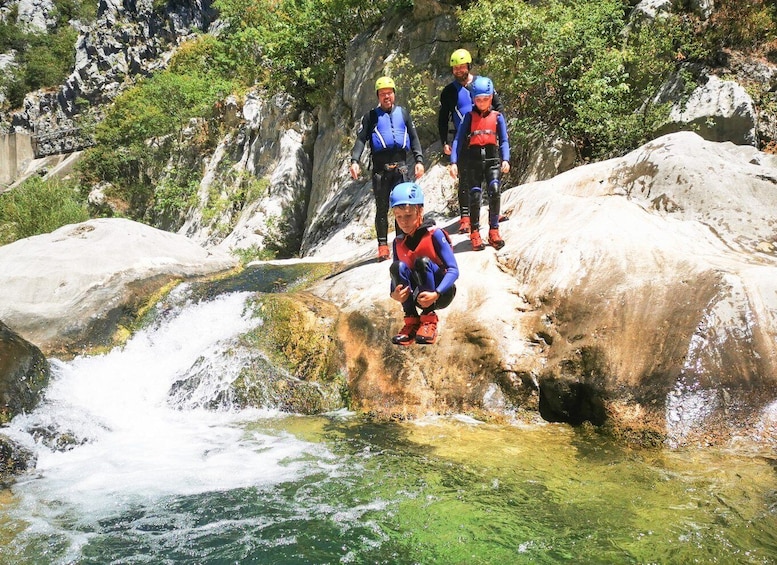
(424,269)
(455,102)
(482,147)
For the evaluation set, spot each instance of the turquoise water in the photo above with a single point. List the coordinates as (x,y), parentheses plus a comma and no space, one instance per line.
(441,491)
(146,479)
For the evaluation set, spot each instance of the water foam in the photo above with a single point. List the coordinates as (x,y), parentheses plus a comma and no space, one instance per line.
(130,446)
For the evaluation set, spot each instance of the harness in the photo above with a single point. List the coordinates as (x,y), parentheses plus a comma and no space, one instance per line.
(483,129)
(425,248)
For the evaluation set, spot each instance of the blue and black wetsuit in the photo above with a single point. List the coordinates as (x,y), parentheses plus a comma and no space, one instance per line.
(480,146)
(391,136)
(425,261)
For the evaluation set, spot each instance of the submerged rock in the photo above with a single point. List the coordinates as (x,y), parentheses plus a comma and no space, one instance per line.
(292,362)
(14,460)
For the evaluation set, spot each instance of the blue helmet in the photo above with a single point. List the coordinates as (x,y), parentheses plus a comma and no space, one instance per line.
(406,193)
(482,86)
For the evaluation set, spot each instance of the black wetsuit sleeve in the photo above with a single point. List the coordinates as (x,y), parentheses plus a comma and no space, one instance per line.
(496,103)
(361,137)
(447,106)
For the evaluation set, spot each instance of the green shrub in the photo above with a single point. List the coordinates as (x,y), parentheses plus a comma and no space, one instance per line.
(44,60)
(37,206)
(300,44)
(567,67)
(142,130)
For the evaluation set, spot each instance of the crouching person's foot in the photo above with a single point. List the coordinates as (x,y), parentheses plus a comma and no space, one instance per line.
(427,333)
(407,334)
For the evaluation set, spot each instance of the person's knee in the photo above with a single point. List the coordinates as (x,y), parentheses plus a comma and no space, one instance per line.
(422,265)
(394,271)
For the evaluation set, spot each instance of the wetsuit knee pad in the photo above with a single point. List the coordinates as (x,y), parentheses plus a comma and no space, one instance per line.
(422,264)
(395,272)
(445,298)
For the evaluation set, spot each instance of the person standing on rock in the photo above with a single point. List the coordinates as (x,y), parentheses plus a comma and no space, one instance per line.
(391,135)
(482,148)
(424,269)
(455,102)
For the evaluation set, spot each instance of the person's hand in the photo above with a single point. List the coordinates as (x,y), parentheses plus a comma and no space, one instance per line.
(419,170)
(427,298)
(400,293)
(354,169)
(505,167)
(454,170)
(446,149)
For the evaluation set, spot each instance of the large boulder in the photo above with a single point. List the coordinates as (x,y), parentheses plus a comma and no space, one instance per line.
(68,289)
(717,109)
(637,292)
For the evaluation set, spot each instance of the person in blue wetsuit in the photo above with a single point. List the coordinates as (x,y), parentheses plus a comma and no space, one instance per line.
(391,134)
(424,269)
(455,102)
(483,149)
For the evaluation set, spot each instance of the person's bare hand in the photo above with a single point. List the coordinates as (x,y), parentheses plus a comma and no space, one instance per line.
(400,293)
(427,298)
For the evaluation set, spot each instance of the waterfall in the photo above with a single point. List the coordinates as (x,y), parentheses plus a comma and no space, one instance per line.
(108,438)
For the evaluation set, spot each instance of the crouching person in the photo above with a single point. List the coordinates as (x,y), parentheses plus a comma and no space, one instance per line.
(424,269)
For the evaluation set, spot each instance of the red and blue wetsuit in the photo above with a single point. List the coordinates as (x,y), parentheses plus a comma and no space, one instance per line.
(480,146)
(424,261)
(455,103)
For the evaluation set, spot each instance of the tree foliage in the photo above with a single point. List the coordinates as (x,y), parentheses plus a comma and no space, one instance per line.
(299,45)
(568,67)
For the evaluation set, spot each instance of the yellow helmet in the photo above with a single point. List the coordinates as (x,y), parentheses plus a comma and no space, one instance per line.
(460,57)
(385,82)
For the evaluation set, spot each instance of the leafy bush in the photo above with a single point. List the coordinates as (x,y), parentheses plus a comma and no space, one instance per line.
(37,206)
(43,58)
(300,43)
(567,67)
(142,129)
(742,24)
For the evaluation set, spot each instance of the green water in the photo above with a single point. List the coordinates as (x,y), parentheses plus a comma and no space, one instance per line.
(447,492)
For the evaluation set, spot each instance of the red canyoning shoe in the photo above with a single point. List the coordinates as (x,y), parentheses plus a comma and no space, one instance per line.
(427,333)
(464,225)
(494,239)
(477,241)
(383,252)
(407,334)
